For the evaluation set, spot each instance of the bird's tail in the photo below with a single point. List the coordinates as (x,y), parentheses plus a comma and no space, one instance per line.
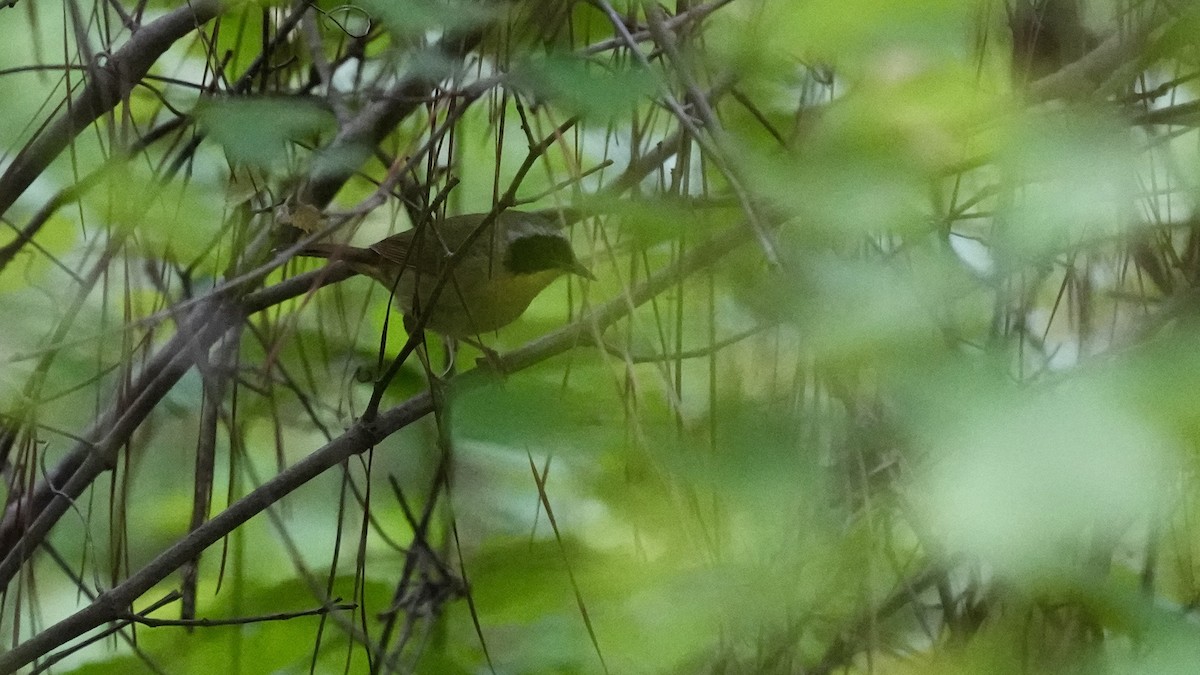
(351,254)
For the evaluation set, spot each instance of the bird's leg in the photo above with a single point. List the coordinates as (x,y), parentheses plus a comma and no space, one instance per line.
(449,355)
(491,357)
(410,327)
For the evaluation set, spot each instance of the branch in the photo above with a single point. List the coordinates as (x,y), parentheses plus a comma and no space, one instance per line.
(130,617)
(1097,66)
(74,192)
(713,144)
(506,200)
(28,518)
(110,83)
(846,645)
(109,605)
(378,120)
(363,435)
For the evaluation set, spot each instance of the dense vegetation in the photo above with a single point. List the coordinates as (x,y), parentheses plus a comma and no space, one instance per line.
(890,364)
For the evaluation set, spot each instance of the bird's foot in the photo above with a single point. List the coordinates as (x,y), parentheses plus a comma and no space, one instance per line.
(490,359)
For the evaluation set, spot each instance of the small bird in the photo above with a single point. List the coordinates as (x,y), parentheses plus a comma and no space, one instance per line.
(503,270)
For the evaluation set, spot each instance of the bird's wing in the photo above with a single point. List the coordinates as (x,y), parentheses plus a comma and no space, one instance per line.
(424,258)
(425,251)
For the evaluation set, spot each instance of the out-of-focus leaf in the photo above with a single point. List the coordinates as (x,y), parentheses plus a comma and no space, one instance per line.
(850,34)
(584,88)
(869,159)
(649,222)
(55,238)
(164,221)
(259,131)
(268,646)
(1078,182)
(848,311)
(408,18)
(532,412)
(1019,479)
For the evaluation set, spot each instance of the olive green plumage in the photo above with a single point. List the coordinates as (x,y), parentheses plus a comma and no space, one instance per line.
(512,260)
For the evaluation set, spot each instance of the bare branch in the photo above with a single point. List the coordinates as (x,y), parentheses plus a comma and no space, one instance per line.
(110,83)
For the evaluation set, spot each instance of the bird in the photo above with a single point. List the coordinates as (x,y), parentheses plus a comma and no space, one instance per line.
(504,267)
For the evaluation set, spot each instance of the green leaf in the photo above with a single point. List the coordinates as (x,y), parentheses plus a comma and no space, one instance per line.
(584,88)
(414,18)
(259,131)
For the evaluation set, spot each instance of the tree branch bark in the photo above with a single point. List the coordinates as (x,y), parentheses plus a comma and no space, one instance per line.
(113,604)
(108,85)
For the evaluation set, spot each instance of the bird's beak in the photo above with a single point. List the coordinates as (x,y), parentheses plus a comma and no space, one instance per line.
(578,268)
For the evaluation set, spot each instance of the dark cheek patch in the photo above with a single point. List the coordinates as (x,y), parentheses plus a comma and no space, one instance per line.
(538,252)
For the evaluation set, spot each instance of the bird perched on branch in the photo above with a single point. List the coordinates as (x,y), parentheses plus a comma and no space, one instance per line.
(501,270)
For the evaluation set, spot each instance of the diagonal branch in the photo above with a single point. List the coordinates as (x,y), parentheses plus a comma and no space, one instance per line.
(363,435)
(29,518)
(110,82)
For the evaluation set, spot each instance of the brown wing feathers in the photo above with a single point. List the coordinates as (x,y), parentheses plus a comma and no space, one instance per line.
(351,254)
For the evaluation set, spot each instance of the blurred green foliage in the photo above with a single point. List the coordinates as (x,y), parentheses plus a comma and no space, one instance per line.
(951,429)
